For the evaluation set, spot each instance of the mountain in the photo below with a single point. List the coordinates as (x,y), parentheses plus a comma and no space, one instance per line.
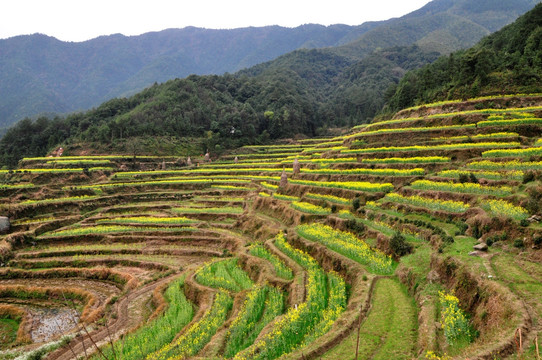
(509,60)
(40,74)
(303,92)
(441,25)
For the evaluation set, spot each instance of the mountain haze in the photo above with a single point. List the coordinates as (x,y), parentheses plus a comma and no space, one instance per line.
(40,74)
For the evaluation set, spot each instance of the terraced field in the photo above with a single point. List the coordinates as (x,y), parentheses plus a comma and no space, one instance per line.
(353,247)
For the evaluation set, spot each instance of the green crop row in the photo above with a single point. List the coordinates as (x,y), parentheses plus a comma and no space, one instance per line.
(497,135)
(504,208)
(330,198)
(349,185)
(348,245)
(285,197)
(468,187)
(534,151)
(372,172)
(157,333)
(466,112)
(428,203)
(480,145)
(280,268)
(149,220)
(261,306)
(325,300)
(309,208)
(58,200)
(224,274)
(199,334)
(485,174)
(510,122)
(16,186)
(209,210)
(506,165)
(407,160)
(414,129)
(110,229)
(55,171)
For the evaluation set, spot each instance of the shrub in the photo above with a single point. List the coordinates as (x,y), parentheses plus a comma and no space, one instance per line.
(528,177)
(518,243)
(356,204)
(399,246)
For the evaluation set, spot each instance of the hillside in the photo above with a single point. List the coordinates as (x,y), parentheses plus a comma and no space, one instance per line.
(40,74)
(420,233)
(303,93)
(508,60)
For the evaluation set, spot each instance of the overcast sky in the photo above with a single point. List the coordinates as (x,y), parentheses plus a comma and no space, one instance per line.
(79,20)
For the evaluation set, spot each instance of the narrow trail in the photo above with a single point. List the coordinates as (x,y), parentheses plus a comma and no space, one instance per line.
(126,319)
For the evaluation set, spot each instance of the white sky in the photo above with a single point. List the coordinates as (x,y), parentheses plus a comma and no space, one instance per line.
(78,20)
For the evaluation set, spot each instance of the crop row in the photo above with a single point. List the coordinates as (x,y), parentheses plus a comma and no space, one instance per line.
(497,135)
(199,334)
(414,129)
(94,157)
(325,301)
(505,165)
(59,200)
(309,208)
(171,181)
(373,172)
(110,229)
(480,145)
(481,98)
(407,160)
(280,268)
(504,208)
(486,174)
(534,151)
(330,198)
(54,171)
(209,210)
(428,203)
(285,197)
(454,321)
(224,274)
(510,122)
(466,112)
(349,185)
(78,161)
(469,188)
(157,333)
(261,306)
(349,245)
(16,186)
(149,220)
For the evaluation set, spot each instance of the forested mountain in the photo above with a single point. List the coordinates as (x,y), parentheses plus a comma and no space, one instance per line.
(509,60)
(40,74)
(302,92)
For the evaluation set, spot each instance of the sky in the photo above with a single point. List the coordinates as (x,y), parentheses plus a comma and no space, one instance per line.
(79,20)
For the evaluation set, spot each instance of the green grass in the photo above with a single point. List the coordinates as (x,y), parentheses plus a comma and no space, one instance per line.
(280,268)
(224,274)
(388,332)
(159,332)
(111,229)
(209,210)
(8,332)
(261,305)
(199,334)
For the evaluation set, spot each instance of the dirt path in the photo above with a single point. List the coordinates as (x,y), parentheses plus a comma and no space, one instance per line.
(129,314)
